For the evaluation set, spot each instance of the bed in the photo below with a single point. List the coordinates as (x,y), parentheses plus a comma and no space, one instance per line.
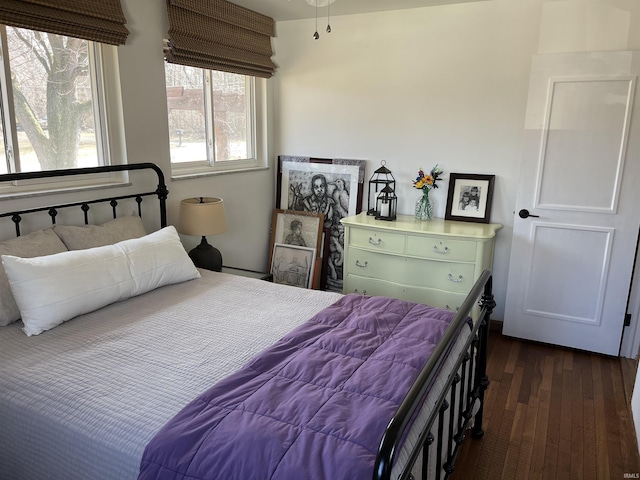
(198,374)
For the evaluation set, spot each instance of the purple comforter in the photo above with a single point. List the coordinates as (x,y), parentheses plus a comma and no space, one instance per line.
(313,406)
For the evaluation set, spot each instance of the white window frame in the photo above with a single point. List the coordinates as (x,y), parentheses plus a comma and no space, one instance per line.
(257,103)
(108,113)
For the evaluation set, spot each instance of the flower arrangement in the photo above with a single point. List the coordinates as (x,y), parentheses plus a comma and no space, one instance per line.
(427,182)
(424,210)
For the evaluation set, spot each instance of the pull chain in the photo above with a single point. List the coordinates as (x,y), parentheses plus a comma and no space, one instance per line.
(328,16)
(316,36)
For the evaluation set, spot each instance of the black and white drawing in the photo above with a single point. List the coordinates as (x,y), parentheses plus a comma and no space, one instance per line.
(297,228)
(293,265)
(330,187)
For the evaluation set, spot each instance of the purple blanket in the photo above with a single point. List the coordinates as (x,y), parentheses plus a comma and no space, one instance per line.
(313,406)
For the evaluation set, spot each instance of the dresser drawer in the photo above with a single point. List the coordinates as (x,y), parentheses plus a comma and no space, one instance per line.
(440,248)
(448,276)
(365,263)
(371,286)
(431,297)
(378,240)
(434,298)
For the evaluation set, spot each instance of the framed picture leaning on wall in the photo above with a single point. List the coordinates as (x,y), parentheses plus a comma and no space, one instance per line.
(332,187)
(302,229)
(293,265)
(469,198)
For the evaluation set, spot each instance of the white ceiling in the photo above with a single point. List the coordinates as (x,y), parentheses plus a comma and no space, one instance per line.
(281,10)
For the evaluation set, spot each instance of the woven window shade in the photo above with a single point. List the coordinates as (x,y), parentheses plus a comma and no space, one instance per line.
(99,21)
(219,35)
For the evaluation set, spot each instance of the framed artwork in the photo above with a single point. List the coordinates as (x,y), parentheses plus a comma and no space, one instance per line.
(303,229)
(293,265)
(469,198)
(333,187)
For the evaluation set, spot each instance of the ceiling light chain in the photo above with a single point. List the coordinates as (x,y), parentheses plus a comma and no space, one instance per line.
(322,3)
(316,36)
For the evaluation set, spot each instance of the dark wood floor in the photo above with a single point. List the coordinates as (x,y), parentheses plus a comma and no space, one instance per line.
(551,413)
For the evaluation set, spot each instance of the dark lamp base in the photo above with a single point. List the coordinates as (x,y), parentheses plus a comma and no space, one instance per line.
(206,256)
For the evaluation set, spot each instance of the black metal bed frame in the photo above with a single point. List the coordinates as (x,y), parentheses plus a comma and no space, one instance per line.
(464,387)
(161,192)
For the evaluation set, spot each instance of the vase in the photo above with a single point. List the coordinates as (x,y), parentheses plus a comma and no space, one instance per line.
(424,210)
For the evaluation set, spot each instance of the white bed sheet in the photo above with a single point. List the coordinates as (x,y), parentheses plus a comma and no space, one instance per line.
(82,401)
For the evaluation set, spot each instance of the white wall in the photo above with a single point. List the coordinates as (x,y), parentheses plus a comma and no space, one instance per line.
(247,196)
(445,85)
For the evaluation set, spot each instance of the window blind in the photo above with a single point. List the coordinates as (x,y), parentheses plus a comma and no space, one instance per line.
(219,35)
(99,21)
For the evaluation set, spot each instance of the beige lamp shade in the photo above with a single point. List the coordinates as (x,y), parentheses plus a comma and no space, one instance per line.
(202,216)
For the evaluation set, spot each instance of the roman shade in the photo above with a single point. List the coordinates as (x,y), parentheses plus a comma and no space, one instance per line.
(99,21)
(219,35)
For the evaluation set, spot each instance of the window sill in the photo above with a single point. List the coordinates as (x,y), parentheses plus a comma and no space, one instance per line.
(195,173)
(36,190)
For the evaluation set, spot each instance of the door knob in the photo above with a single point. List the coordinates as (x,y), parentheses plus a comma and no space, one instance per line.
(524,213)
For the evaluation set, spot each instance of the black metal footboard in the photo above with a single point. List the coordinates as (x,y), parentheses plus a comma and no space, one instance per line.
(161,192)
(437,440)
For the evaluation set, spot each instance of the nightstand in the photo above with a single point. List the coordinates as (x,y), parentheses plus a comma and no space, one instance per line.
(243,272)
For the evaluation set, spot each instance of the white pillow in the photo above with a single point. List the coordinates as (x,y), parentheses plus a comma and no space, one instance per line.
(53,289)
(36,244)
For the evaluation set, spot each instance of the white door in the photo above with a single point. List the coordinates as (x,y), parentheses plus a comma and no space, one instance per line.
(572,258)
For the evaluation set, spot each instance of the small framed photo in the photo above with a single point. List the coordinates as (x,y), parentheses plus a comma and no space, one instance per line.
(293,265)
(469,198)
(302,229)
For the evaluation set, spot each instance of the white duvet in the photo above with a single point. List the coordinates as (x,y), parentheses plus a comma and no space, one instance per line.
(81,401)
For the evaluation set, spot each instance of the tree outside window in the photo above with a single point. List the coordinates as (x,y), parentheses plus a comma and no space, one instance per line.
(211,116)
(53,115)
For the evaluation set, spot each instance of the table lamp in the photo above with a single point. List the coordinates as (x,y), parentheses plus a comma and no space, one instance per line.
(201,217)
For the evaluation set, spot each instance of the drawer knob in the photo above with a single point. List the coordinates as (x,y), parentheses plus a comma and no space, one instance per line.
(362,265)
(375,242)
(439,251)
(453,279)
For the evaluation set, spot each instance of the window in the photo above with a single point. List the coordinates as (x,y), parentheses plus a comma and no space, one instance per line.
(51,101)
(213,120)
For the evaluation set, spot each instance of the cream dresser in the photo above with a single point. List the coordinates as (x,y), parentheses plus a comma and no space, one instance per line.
(434,262)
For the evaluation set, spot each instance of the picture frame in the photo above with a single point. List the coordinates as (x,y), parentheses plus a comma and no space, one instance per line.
(290,227)
(469,197)
(293,265)
(343,182)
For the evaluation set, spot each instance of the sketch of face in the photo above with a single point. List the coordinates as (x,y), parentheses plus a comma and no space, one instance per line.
(340,184)
(319,187)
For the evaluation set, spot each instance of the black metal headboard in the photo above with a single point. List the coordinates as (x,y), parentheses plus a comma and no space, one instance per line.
(161,192)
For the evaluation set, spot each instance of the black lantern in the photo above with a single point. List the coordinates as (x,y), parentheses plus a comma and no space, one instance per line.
(386,204)
(380,179)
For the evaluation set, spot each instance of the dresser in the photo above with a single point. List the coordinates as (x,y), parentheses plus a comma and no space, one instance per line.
(435,262)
